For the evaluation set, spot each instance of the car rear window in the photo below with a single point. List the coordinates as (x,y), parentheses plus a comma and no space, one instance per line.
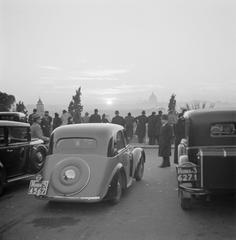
(223,129)
(75,145)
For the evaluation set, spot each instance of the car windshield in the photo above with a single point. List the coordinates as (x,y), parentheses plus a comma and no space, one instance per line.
(75,145)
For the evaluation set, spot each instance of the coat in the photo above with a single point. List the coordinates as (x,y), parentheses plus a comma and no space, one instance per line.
(165,140)
(141,126)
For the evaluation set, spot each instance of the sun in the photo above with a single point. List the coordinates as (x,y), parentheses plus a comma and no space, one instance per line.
(109,102)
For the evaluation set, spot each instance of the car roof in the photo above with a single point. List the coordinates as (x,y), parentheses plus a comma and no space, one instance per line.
(13,113)
(90,130)
(13,124)
(211,115)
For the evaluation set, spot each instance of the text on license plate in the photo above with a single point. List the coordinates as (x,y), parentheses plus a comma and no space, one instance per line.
(38,188)
(187,174)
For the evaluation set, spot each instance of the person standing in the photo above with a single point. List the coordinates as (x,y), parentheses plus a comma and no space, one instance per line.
(158,125)
(30,120)
(64,117)
(129,126)
(36,130)
(46,124)
(95,118)
(56,121)
(85,118)
(118,119)
(141,126)
(179,133)
(104,119)
(152,128)
(165,142)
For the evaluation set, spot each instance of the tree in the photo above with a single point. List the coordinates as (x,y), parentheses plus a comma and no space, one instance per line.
(172,103)
(6,102)
(75,108)
(20,107)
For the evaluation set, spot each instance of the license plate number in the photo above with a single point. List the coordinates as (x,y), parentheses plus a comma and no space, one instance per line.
(38,188)
(186,175)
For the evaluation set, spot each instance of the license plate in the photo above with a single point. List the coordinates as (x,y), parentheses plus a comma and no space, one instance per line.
(38,188)
(187,174)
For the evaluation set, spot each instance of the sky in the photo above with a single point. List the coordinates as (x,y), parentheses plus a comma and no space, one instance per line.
(118,51)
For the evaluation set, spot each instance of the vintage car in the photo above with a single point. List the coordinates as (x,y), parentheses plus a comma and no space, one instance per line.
(207,157)
(20,156)
(88,163)
(13,116)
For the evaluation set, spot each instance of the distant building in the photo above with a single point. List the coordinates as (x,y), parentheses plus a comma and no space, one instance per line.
(152,100)
(40,107)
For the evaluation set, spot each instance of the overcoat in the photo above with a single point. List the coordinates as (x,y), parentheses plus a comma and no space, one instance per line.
(141,126)
(165,140)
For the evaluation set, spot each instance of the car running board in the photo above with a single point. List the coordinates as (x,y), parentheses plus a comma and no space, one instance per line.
(26,176)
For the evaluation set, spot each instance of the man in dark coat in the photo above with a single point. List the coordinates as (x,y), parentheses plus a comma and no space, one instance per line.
(141,126)
(165,142)
(95,118)
(179,132)
(118,119)
(56,121)
(129,126)
(152,128)
(158,125)
(46,124)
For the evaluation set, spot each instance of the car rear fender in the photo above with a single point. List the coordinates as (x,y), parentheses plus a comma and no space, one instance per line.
(116,169)
(138,153)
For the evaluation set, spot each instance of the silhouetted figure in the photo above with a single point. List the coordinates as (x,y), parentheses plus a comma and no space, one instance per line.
(56,121)
(165,142)
(129,126)
(104,119)
(118,119)
(141,127)
(46,124)
(30,120)
(152,128)
(158,125)
(85,118)
(95,118)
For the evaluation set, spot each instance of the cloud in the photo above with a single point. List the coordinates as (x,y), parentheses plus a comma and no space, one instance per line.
(104,72)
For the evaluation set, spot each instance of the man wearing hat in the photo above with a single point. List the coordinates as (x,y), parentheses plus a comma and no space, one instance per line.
(152,128)
(95,118)
(118,119)
(141,126)
(36,130)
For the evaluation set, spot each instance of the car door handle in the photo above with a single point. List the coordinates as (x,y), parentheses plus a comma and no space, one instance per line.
(9,150)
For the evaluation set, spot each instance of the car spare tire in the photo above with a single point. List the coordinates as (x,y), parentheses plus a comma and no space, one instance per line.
(37,159)
(70,175)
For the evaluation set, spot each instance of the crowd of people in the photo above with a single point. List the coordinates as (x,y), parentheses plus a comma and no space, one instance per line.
(158,127)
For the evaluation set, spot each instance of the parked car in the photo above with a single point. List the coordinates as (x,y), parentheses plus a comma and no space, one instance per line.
(207,163)
(88,163)
(13,116)
(20,156)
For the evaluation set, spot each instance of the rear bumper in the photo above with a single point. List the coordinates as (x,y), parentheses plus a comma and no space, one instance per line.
(70,198)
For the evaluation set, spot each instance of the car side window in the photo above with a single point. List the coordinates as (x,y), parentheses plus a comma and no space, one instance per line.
(120,143)
(17,134)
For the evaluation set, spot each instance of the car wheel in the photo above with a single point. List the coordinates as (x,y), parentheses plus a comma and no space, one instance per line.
(37,160)
(116,188)
(185,202)
(140,170)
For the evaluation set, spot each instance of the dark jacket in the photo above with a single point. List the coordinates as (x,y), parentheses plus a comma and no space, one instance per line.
(95,118)
(141,126)
(118,120)
(165,140)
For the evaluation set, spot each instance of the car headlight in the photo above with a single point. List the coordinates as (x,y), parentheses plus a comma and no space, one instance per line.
(69,174)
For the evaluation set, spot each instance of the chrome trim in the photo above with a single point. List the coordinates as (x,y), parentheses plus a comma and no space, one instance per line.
(90,199)
(201,169)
